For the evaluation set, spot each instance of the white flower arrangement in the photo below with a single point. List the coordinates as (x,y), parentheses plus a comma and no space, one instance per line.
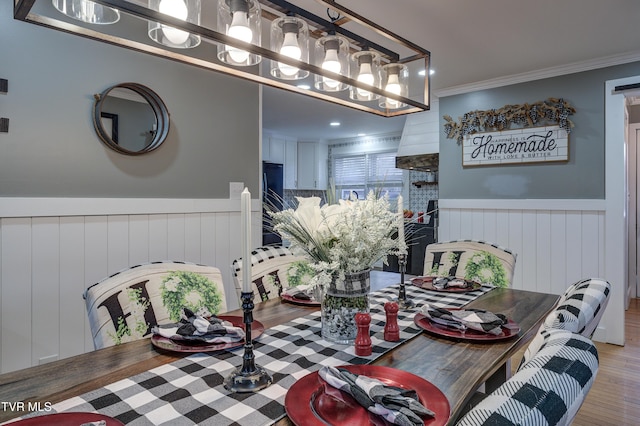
(346,237)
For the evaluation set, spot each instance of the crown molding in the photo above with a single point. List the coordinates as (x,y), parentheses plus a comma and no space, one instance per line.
(572,68)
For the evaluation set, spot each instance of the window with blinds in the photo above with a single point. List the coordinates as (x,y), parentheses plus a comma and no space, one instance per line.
(359,174)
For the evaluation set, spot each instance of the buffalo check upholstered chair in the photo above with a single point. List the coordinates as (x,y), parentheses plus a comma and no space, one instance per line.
(470,259)
(546,391)
(269,267)
(124,306)
(579,310)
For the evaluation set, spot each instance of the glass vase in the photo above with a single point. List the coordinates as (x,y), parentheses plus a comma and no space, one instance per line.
(342,300)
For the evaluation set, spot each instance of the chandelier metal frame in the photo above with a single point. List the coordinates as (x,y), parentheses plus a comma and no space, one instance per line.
(24,11)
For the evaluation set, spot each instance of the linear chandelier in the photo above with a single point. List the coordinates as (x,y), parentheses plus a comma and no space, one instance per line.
(346,59)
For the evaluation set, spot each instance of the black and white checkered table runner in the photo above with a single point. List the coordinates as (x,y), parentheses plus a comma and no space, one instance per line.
(190,391)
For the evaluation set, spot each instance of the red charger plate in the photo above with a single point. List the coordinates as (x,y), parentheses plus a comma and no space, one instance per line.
(509,330)
(67,419)
(166,344)
(427,284)
(312,402)
(290,299)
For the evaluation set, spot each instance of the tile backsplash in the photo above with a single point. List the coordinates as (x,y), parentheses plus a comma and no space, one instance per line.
(419,197)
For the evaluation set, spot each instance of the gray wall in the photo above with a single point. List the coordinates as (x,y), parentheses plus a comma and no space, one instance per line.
(582,177)
(52,150)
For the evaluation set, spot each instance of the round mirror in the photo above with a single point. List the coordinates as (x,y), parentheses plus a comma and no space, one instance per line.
(130,118)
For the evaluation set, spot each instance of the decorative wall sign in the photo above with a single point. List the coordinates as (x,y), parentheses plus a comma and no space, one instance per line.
(527,145)
(549,112)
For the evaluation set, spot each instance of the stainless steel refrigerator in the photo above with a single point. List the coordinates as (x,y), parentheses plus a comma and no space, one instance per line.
(272,195)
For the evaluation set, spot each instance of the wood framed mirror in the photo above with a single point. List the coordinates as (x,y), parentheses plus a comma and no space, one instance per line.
(130,118)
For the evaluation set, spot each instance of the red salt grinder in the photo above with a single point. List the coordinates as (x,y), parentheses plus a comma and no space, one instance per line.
(391,330)
(363,340)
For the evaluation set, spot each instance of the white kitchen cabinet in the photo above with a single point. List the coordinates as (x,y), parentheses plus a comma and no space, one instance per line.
(312,165)
(305,162)
(273,149)
(323,165)
(290,164)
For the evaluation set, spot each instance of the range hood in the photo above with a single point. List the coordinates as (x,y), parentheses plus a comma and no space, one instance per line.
(420,141)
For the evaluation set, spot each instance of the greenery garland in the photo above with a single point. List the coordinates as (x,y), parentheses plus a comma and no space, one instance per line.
(552,110)
(178,287)
(139,306)
(484,261)
(299,272)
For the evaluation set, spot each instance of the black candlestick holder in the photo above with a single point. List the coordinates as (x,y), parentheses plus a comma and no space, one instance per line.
(249,377)
(403,303)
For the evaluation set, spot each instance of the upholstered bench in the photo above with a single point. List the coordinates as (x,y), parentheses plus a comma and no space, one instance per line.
(269,271)
(579,310)
(124,306)
(547,390)
(472,259)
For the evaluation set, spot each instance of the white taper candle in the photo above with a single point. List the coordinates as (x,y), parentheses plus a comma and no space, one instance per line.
(245,235)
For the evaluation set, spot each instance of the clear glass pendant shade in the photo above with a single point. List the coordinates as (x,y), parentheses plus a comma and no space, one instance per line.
(87,11)
(332,54)
(366,70)
(394,80)
(186,10)
(240,19)
(289,37)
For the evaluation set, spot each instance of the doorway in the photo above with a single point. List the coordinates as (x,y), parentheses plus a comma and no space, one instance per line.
(633,163)
(617,223)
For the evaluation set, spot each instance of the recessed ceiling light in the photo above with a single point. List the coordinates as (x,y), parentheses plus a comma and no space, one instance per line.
(304,86)
(422,72)
(334,123)
(432,71)
(362,134)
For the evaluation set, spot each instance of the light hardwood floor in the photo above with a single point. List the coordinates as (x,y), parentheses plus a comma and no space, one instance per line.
(614,398)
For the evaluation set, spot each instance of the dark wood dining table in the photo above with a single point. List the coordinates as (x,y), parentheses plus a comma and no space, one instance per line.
(456,367)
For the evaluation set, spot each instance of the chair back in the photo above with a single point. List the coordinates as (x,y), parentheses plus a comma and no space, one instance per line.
(579,310)
(124,306)
(470,259)
(581,307)
(269,267)
(546,391)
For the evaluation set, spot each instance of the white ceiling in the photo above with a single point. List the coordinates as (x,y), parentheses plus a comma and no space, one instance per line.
(471,41)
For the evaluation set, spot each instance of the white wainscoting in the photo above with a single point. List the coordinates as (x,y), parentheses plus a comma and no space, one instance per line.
(557,242)
(52,249)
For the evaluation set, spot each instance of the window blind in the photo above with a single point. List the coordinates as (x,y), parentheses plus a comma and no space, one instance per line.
(350,170)
(367,171)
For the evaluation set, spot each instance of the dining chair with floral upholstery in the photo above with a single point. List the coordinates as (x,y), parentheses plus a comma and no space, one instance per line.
(124,306)
(473,260)
(579,310)
(270,266)
(547,391)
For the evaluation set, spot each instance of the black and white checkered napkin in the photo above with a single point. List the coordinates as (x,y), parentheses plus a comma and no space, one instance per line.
(301,292)
(190,391)
(450,282)
(462,319)
(396,405)
(195,328)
